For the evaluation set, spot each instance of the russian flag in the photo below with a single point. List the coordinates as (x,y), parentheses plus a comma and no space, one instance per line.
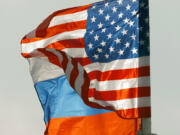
(65,113)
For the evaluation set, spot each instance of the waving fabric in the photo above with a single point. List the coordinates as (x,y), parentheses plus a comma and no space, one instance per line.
(100,50)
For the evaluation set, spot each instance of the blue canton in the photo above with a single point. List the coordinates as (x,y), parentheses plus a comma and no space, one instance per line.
(117,29)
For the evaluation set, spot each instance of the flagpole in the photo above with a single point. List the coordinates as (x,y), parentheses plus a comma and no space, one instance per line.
(145,127)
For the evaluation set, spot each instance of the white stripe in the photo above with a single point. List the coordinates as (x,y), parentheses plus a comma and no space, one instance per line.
(69,64)
(58,54)
(125,103)
(79,16)
(118,64)
(79,80)
(120,84)
(75,52)
(69,69)
(30,47)
(41,69)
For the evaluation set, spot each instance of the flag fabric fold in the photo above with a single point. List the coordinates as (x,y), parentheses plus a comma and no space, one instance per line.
(103,51)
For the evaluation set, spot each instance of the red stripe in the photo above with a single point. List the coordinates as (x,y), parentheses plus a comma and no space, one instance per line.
(51,57)
(74,73)
(59,45)
(119,94)
(44,25)
(58,29)
(84,61)
(41,29)
(33,54)
(143,112)
(70,43)
(84,94)
(64,61)
(120,74)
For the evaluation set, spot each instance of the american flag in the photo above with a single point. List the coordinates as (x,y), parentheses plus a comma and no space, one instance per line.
(103,49)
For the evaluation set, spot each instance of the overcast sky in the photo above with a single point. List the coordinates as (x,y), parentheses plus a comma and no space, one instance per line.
(20,110)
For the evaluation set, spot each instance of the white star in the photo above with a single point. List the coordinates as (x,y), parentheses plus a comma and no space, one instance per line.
(117,40)
(120,15)
(93,7)
(137,15)
(106,4)
(114,9)
(134,51)
(133,0)
(101,11)
(134,12)
(96,56)
(127,44)
(133,37)
(107,56)
(107,17)
(121,52)
(117,28)
(96,37)
(124,32)
(103,30)
(111,49)
(93,19)
(90,45)
(91,32)
(113,22)
(128,7)
(126,20)
(103,43)
(131,23)
(109,35)
(99,50)
(120,2)
(100,25)
(141,42)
